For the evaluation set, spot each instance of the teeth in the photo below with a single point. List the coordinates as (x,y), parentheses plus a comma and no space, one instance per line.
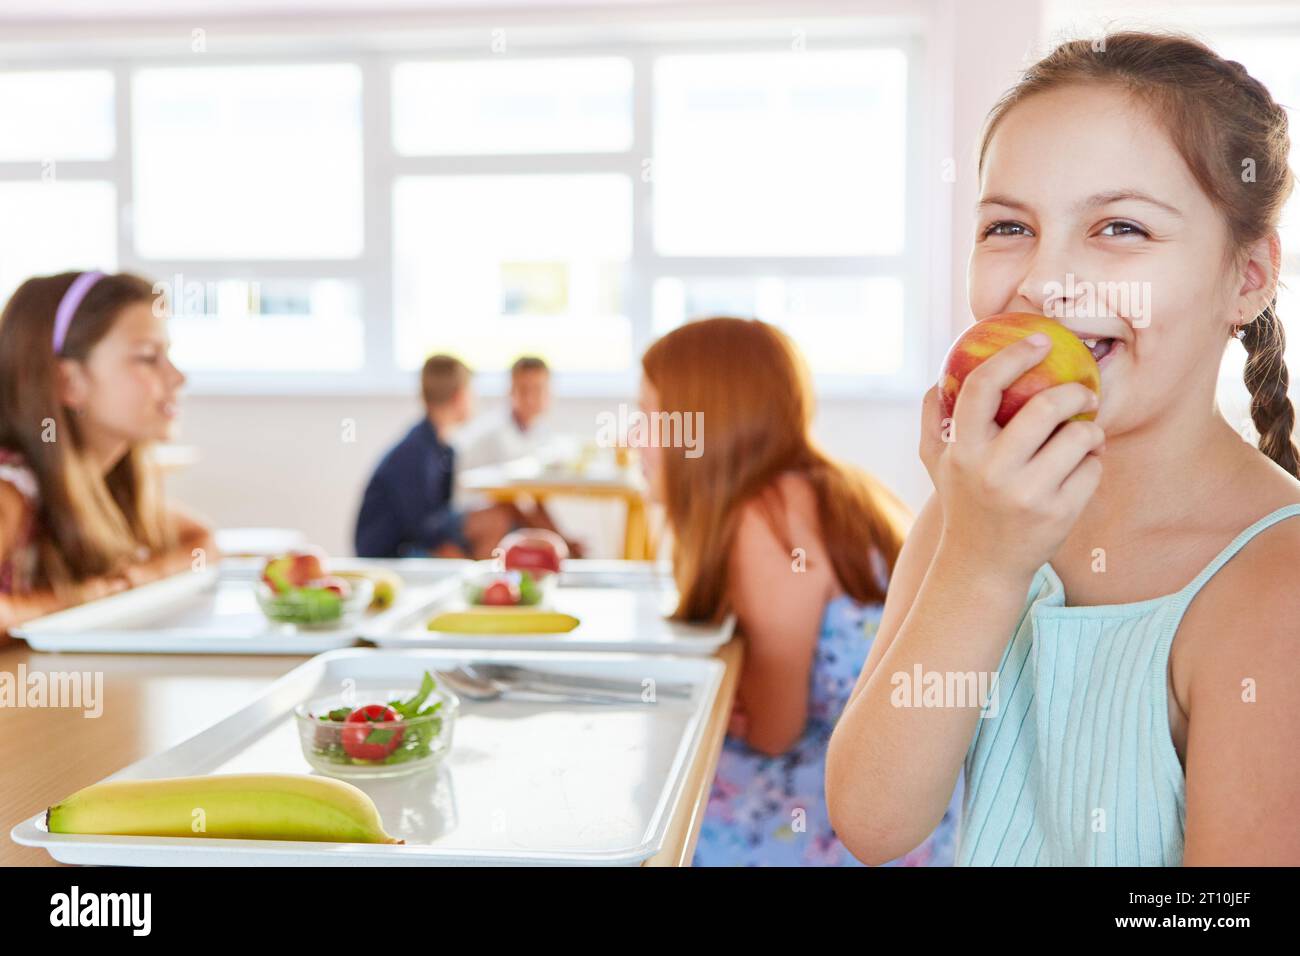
(1091,343)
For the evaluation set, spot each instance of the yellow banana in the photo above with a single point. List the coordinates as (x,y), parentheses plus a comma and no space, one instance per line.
(252,806)
(503,621)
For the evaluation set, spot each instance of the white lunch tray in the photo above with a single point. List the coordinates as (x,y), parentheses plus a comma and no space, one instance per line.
(215,611)
(524,783)
(620,606)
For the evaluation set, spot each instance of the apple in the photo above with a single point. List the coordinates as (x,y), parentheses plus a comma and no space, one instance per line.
(307,565)
(1069,360)
(295,569)
(501,594)
(535,550)
(336,584)
(276,574)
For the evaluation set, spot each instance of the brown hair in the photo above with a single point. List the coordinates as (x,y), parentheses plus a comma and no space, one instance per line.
(752,387)
(1218,117)
(441,378)
(88,523)
(528,363)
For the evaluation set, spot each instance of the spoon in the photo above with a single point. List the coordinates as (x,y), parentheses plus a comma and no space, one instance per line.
(476,687)
(572,682)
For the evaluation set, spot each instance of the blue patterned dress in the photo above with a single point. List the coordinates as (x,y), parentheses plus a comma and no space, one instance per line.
(771,811)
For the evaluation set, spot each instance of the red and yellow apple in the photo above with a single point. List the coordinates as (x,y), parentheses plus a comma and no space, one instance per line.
(308,565)
(332,582)
(1067,361)
(294,570)
(533,549)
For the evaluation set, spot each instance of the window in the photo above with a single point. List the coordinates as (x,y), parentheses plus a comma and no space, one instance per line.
(328,224)
(798,157)
(58,203)
(248,162)
(77,229)
(780,154)
(56,115)
(266,325)
(843,326)
(522,106)
(492,267)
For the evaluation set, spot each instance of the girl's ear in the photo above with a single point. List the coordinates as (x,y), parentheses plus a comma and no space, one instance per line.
(72,385)
(1263,263)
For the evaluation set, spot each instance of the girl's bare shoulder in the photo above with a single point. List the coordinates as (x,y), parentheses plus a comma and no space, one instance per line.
(1235,667)
(782,517)
(797,503)
(1266,567)
(1248,614)
(787,505)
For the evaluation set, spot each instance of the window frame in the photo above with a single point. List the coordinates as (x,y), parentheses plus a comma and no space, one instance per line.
(382,166)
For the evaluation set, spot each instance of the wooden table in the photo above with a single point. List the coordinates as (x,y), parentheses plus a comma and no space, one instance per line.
(151,702)
(527,478)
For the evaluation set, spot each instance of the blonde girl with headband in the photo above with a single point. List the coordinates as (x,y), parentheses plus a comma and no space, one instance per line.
(86,387)
(1131,581)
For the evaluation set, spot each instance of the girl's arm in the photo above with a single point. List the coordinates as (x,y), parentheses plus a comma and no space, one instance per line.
(779,611)
(1008,499)
(192,534)
(15,609)
(1240,646)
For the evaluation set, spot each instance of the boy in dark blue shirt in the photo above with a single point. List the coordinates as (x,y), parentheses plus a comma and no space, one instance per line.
(406,510)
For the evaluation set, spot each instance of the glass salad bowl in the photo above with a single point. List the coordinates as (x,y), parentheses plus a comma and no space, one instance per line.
(371,734)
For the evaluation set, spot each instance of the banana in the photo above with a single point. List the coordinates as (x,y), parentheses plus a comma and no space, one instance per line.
(387,585)
(254,806)
(503,621)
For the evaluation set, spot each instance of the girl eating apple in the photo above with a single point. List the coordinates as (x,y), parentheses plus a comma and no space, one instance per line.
(1129,580)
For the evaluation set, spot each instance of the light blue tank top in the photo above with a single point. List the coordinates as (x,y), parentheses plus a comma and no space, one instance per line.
(1074,764)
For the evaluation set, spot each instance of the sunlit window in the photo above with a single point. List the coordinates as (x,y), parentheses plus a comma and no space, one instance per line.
(519,106)
(491,267)
(77,229)
(265,325)
(335,221)
(248,162)
(780,154)
(51,116)
(842,326)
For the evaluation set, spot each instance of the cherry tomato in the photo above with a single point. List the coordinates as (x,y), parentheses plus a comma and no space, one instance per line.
(363,742)
(500,593)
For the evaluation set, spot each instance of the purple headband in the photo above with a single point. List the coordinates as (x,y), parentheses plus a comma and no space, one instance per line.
(69,304)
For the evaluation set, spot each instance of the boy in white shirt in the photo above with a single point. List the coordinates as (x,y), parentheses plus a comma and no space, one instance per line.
(522,432)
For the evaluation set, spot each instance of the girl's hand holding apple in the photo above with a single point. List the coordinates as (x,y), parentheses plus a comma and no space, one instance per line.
(1010,495)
